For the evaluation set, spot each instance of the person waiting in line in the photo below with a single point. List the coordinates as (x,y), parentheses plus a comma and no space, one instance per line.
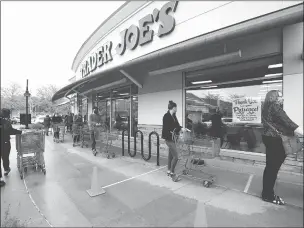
(217,126)
(275,120)
(57,119)
(170,124)
(6,130)
(94,119)
(76,128)
(69,122)
(47,124)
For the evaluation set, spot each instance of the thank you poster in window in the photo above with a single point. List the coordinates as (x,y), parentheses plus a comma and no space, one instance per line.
(247,109)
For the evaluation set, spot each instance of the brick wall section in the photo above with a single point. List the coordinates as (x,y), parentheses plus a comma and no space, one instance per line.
(293,163)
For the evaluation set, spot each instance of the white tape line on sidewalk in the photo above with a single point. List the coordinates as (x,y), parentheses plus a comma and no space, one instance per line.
(134,177)
(200,215)
(248,183)
(40,212)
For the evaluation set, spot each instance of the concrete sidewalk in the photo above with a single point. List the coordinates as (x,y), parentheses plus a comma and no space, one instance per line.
(140,194)
(238,177)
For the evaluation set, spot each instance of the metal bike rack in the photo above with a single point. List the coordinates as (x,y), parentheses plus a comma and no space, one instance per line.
(123,142)
(141,143)
(157,145)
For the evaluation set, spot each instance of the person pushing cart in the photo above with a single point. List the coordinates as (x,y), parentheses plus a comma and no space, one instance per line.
(94,119)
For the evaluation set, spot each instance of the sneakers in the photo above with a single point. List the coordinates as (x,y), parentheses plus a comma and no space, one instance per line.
(7,172)
(2,183)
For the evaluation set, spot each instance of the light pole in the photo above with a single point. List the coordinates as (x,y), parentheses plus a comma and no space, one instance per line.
(27,95)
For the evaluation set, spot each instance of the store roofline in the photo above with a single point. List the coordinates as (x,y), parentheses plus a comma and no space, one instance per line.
(276,19)
(107,25)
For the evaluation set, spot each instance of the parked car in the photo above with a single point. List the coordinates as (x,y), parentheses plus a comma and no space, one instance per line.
(15,120)
(39,120)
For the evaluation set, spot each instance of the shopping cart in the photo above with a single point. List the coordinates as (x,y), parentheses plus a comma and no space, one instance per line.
(59,132)
(85,136)
(76,133)
(189,160)
(104,138)
(30,147)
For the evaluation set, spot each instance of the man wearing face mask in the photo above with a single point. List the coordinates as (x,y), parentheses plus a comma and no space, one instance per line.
(93,120)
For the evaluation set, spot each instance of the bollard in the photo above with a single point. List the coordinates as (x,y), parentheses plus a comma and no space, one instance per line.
(157,146)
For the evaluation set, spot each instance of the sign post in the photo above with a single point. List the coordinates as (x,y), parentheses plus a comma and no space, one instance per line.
(27,95)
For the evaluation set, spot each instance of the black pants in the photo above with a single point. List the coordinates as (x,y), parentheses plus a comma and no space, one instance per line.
(5,153)
(76,138)
(275,156)
(93,140)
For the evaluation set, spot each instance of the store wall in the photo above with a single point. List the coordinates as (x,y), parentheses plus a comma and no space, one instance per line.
(293,72)
(192,18)
(154,97)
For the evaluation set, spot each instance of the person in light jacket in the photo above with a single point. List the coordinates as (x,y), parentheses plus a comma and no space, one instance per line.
(273,114)
(170,124)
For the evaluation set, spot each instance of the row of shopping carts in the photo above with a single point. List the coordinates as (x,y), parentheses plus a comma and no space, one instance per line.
(82,135)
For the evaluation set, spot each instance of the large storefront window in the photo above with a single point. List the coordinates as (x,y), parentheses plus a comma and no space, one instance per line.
(239,102)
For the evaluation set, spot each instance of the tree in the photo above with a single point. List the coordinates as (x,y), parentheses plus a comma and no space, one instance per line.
(44,95)
(12,97)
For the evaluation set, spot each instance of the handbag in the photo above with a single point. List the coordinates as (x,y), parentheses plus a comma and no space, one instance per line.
(291,144)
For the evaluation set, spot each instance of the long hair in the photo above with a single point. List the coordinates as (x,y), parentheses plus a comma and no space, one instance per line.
(271,97)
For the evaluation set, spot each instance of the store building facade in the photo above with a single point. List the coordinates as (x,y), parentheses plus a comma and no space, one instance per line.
(200,54)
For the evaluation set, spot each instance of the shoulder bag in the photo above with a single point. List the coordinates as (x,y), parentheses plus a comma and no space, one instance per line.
(291,144)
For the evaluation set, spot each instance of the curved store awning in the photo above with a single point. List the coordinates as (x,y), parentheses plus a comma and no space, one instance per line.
(181,53)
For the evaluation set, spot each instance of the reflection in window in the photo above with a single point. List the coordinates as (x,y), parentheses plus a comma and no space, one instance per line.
(240,110)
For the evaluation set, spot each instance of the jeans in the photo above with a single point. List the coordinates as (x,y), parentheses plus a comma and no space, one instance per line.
(5,153)
(172,155)
(275,156)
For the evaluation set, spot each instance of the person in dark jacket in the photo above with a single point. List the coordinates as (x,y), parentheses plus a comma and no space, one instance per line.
(76,124)
(217,127)
(5,131)
(57,119)
(170,124)
(47,124)
(273,114)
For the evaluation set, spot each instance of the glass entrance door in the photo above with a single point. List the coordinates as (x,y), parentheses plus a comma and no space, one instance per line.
(120,114)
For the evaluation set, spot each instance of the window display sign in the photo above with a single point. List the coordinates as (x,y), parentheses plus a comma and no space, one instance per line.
(247,109)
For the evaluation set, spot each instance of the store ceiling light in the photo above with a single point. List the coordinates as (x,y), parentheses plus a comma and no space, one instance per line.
(123,94)
(201,82)
(274,81)
(275,65)
(208,87)
(271,75)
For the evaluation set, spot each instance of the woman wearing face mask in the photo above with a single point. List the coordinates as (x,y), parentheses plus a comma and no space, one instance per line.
(274,115)
(171,123)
